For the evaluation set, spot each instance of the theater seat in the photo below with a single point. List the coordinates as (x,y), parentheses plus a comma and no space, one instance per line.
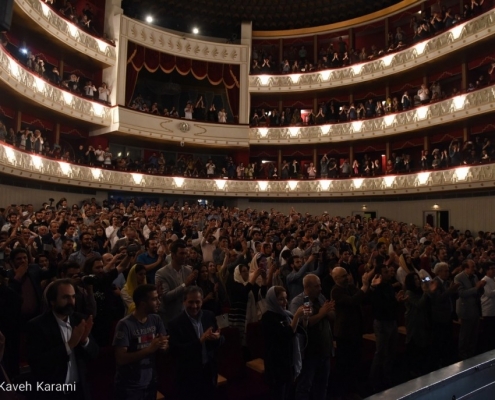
(258,365)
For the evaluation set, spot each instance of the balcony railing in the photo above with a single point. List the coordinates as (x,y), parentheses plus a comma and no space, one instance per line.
(45,94)
(68,32)
(31,166)
(463,35)
(453,109)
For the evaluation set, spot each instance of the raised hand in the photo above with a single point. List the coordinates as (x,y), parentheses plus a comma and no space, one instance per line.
(77,333)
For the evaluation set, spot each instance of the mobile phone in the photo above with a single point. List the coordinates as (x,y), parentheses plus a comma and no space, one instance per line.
(307,306)
(426,279)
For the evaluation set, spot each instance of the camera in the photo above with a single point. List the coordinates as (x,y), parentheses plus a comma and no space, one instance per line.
(426,279)
(132,249)
(89,280)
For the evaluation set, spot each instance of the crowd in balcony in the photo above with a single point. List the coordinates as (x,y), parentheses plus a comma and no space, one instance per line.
(456,153)
(196,110)
(86,20)
(72,82)
(325,269)
(337,112)
(338,54)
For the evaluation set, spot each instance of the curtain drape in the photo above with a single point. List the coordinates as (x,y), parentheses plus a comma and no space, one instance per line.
(141,57)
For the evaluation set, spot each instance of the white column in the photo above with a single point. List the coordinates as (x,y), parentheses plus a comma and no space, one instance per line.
(113,12)
(245,100)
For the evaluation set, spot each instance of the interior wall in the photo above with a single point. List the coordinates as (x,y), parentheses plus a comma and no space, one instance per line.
(465,213)
(22,195)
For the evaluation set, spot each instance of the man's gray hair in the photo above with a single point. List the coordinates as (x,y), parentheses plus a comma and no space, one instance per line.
(439,267)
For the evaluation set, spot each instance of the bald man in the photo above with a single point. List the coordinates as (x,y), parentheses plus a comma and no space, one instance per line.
(313,379)
(348,325)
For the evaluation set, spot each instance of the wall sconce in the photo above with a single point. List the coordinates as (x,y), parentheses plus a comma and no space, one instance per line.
(436,206)
(364,208)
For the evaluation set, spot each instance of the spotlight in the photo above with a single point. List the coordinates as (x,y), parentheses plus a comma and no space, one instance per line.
(149,19)
(195,31)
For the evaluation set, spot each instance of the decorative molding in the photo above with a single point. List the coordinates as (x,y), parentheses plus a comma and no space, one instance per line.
(136,123)
(198,133)
(67,32)
(195,49)
(29,166)
(32,87)
(455,109)
(460,36)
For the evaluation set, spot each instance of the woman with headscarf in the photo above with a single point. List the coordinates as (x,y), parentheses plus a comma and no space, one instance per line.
(351,241)
(136,277)
(282,353)
(405,267)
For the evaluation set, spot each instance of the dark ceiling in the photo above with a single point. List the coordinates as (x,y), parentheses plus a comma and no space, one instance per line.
(223,19)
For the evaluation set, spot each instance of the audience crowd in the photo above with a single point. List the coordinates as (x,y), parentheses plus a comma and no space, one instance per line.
(338,53)
(97,264)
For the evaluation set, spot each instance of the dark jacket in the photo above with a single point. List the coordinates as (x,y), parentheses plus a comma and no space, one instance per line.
(187,349)
(47,354)
(278,334)
(348,313)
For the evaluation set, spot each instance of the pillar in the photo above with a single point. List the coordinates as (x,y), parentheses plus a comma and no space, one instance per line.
(244,97)
(351,154)
(315,156)
(387,149)
(115,76)
(426,142)
(315,49)
(18,121)
(279,162)
(350,42)
(56,139)
(464,73)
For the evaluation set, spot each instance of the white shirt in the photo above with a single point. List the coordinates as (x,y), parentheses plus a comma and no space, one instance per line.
(488,298)
(66,331)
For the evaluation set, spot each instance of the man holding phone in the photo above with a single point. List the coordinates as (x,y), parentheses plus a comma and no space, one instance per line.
(313,380)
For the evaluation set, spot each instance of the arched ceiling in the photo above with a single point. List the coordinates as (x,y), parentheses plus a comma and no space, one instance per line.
(223,19)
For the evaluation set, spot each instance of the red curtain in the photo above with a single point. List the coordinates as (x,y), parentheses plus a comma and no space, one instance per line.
(152,60)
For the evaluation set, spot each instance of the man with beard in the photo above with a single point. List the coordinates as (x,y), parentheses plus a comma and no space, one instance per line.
(59,345)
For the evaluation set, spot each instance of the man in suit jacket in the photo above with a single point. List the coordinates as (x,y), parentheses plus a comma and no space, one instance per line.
(194,339)
(171,281)
(441,315)
(59,346)
(468,308)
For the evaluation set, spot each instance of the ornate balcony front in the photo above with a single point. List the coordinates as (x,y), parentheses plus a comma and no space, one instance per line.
(67,32)
(29,166)
(460,36)
(180,45)
(27,84)
(453,109)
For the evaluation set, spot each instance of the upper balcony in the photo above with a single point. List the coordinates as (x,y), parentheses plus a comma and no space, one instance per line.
(30,166)
(182,46)
(459,37)
(48,21)
(32,88)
